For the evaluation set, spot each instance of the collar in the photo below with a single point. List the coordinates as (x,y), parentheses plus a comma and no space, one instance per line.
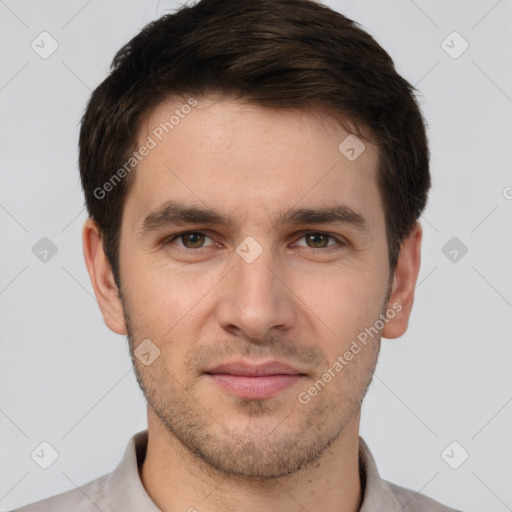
(377,493)
(124,488)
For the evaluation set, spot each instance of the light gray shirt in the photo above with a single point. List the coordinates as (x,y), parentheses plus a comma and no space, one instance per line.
(122,490)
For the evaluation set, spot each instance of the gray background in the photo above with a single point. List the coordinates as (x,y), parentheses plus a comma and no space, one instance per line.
(67,380)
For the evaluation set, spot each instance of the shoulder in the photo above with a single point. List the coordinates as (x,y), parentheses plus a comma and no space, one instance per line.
(380,494)
(89,497)
(411,501)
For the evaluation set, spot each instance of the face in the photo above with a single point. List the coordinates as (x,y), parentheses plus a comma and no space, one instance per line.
(253,253)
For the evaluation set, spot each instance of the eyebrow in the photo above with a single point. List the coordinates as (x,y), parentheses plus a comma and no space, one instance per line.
(175,213)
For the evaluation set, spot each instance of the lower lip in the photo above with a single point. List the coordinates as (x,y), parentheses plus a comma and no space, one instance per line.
(255,388)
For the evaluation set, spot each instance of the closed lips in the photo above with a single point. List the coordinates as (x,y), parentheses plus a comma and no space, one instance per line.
(245,369)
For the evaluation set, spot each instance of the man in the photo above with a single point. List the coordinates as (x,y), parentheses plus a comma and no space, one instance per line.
(253,173)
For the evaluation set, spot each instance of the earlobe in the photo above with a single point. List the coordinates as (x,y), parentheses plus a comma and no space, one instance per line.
(404,282)
(102,278)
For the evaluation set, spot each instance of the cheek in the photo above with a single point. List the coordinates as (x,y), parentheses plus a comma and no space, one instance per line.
(165,288)
(169,304)
(346,300)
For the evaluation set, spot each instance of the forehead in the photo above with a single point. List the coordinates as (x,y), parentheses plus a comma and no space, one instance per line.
(251,161)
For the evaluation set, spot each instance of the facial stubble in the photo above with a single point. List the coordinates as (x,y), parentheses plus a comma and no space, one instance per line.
(279,438)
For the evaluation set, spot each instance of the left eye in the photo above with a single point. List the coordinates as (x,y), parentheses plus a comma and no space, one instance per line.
(318,240)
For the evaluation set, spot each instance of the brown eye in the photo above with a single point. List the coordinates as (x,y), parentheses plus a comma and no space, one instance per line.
(193,240)
(317,240)
(190,240)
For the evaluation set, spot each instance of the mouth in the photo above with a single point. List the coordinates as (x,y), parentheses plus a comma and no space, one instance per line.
(254,381)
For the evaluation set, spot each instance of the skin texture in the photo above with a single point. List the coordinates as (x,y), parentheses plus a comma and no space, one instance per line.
(303,301)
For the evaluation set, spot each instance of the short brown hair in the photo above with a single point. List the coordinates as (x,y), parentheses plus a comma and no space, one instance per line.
(273,53)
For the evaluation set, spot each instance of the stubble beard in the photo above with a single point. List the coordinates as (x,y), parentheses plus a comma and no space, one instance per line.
(273,444)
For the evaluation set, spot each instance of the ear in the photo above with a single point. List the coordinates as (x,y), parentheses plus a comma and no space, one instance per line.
(402,292)
(102,278)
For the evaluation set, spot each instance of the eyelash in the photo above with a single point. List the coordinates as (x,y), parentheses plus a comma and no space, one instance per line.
(172,238)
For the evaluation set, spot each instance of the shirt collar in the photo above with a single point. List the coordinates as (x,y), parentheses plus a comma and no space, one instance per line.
(126,493)
(377,493)
(124,487)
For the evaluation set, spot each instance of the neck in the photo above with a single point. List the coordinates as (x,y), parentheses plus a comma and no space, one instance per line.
(176,479)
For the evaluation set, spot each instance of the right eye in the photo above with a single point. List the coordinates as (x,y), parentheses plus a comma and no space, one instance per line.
(189,239)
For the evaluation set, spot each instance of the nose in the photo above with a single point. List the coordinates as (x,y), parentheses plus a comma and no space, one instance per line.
(257,299)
